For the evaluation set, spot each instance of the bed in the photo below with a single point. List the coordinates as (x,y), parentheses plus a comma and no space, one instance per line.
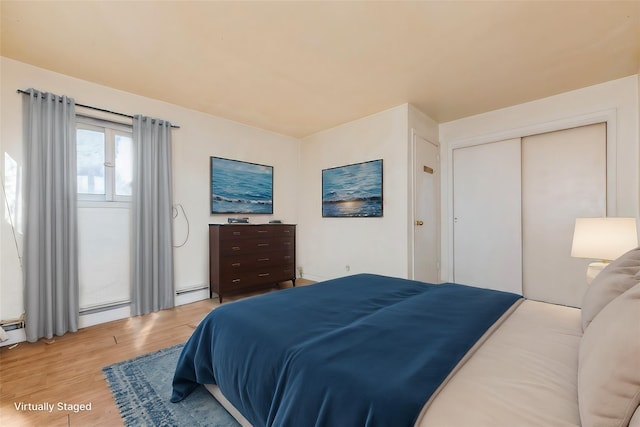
(370,350)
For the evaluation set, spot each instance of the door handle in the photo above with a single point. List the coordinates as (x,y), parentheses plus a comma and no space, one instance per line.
(419,222)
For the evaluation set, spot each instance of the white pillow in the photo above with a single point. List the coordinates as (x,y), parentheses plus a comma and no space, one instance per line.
(619,276)
(635,420)
(609,364)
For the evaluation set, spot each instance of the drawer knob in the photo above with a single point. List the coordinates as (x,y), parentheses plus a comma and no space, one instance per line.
(263,244)
(235,281)
(263,274)
(263,259)
(236,248)
(235,264)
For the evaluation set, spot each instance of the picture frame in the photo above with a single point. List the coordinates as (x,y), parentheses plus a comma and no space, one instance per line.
(354,190)
(239,187)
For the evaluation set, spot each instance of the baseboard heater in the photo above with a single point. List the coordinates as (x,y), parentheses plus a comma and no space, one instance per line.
(106,307)
(195,289)
(12,331)
(11,325)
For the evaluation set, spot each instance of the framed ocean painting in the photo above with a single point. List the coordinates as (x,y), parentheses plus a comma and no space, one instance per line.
(240,187)
(353,190)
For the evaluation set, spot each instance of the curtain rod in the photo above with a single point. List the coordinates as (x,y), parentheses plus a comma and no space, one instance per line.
(24,92)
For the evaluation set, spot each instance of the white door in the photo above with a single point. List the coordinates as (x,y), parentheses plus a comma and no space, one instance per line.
(564,177)
(426,196)
(487,242)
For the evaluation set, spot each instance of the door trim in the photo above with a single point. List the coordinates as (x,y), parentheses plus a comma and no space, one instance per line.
(412,207)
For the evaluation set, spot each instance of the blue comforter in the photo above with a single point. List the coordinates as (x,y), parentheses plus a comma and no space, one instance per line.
(363,350)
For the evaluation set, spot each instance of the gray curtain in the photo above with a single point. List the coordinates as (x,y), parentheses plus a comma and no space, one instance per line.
(50,238)
(152,270)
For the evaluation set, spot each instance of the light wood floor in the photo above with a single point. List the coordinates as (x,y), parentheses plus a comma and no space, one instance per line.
(68,369)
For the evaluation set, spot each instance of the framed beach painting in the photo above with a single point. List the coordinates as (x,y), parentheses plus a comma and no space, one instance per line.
(353,190)
(240,187)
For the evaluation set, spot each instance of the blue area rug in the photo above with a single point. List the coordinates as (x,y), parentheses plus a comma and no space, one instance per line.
(142,388)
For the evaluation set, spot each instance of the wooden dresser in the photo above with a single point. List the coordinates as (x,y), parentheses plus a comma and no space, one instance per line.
(247,257)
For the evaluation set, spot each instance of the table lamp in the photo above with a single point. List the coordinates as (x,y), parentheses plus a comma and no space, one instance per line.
(604,239)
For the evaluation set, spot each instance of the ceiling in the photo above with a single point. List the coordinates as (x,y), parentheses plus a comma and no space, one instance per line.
(299,67)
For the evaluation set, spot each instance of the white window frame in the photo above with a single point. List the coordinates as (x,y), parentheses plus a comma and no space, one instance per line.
(110,130)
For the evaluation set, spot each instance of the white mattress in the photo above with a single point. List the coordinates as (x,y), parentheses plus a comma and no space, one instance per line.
(524,374)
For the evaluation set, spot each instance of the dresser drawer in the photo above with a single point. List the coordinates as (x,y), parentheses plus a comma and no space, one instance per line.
(283,230)
(255,245)
(237,232)
(232,232)
(230,281)
(255,261)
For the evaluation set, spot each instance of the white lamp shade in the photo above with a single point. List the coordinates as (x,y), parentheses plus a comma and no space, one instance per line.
(604,238)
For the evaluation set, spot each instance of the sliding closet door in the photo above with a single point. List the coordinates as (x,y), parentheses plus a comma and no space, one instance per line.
(487,216)
(564,176)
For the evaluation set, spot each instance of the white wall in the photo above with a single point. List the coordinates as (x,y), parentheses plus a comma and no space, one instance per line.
(615,101)
(373,245)
(423,125)
(199,137)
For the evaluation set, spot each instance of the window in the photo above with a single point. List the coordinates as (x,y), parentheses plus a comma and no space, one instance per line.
(105,171)
(105,160)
